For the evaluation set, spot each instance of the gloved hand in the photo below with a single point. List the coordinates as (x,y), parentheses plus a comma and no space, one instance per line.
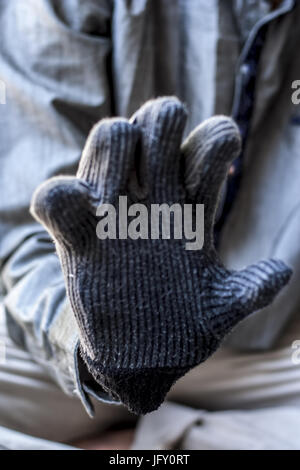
(149,310)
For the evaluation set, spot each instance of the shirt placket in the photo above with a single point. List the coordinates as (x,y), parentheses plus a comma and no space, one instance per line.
(243,104)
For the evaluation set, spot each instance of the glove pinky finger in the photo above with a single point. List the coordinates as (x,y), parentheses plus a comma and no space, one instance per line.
(63,206)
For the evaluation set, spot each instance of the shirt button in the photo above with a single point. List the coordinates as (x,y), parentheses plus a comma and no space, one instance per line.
(245,69)
(231,170)
(245,72)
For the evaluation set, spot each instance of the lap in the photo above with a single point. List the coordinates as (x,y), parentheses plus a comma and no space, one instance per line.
(32,403)
(235,380)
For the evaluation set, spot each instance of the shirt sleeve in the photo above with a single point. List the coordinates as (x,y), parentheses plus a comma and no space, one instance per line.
(54,69)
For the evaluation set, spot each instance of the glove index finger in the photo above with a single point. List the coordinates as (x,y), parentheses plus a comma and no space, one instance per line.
(207,153)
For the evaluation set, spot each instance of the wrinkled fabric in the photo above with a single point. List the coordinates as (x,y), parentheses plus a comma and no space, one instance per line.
(13,440)
(247,13)
(181,428)
(33,403)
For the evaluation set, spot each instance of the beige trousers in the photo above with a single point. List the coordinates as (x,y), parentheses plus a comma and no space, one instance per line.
(231,401)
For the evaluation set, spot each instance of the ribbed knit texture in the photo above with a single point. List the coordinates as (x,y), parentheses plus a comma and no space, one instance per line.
(150,310)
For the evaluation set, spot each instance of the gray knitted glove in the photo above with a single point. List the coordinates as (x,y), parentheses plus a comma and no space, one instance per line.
(150,310)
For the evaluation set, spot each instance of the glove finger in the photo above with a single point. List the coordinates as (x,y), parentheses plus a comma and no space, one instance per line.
(162,122)
(64,205)
(108,156)
(261,282)
(208,152)
(247,291)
